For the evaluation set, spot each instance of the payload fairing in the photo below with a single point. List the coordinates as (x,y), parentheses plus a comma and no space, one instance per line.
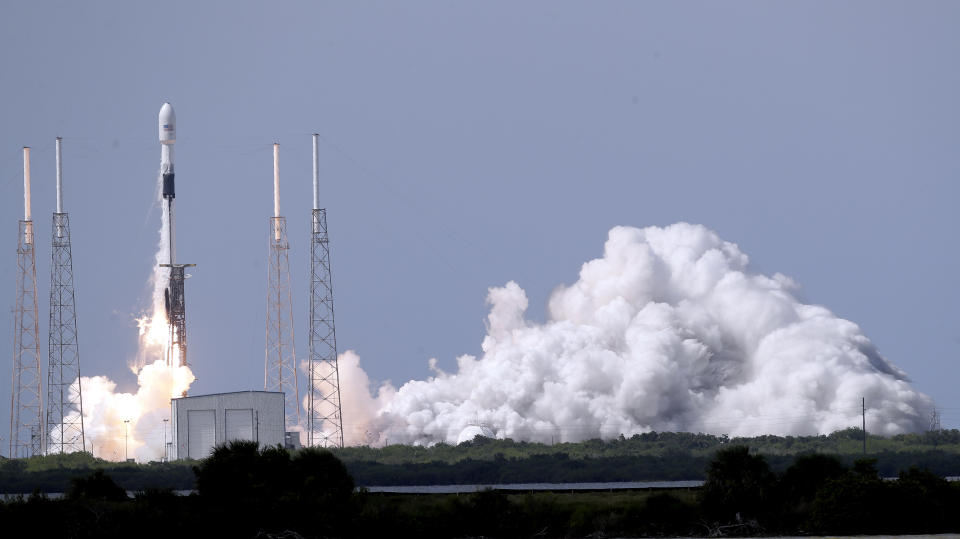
(168,136)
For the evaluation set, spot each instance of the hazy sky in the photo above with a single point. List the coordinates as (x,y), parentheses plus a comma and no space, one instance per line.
(466,144)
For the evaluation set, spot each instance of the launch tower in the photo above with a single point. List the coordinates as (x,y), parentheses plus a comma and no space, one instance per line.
(64,428)
(280,362)
(26,407)
(324,419)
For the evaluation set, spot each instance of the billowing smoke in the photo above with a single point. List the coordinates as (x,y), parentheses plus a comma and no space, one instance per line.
(119,424)
(668,331)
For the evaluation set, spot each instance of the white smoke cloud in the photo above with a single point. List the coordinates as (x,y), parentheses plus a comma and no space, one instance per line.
(119,424)
(667,331)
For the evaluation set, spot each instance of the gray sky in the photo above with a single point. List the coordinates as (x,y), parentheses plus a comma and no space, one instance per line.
(468,144)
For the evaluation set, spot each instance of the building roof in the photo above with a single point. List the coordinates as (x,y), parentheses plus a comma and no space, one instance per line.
(228,393)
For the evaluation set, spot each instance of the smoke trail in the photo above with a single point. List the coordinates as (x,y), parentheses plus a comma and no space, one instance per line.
(118,424)
(667,331)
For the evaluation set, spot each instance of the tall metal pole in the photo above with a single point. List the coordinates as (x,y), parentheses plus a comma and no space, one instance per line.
(863,403)
(26,401)
(324,415)
(64,396)
(280,357)
(165,458)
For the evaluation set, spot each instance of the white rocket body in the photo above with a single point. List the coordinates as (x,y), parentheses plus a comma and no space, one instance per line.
(168,136)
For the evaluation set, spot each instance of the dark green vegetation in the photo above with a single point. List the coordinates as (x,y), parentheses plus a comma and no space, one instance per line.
(818,494)
(53,473)
(532,514)
(645,457)
(243,491)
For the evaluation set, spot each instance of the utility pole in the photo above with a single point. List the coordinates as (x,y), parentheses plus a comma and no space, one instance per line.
(126,435)
(26,406)
(863,403)
(64,396)
(165,456)
(280,362)
(324,415)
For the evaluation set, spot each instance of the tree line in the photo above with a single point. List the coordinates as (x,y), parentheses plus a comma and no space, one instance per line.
(247,491)
(649,456)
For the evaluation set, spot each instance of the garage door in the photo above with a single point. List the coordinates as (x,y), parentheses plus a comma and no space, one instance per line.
(201,433)
(239,424)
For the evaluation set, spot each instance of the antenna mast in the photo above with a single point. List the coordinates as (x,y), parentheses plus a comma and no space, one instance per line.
(324,419)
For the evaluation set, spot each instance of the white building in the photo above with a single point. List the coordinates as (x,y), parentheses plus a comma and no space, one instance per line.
(204,421)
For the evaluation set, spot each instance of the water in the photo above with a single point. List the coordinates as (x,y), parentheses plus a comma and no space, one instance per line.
(463,489)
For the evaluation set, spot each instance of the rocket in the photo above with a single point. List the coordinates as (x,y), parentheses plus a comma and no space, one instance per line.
(168,135)
(173,294)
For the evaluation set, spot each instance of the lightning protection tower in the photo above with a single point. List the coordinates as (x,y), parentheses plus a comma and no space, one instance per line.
(324,418)
(280,364)
(26,407)
(64,428)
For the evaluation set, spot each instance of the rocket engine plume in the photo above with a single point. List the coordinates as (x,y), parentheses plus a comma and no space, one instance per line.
(668,330)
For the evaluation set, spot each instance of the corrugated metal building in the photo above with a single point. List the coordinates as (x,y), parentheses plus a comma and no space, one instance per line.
(203,421)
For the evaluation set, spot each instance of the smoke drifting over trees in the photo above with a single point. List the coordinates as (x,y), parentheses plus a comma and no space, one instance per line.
(668,330)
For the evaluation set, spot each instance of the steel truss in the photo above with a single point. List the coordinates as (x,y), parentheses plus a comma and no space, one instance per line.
(280,362)
(324,415)
(64,428)
(26,409)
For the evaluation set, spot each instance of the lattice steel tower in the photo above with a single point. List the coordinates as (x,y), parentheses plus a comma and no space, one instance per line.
(935,421)
(280,364)
(324,417)
(26,406)
(64,427)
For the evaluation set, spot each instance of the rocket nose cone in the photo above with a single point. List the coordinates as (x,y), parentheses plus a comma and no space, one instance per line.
(168,124)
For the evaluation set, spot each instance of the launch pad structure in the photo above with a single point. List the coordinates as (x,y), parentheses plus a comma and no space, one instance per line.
(58,427)
(64,418)
(280,356)
(324,414)
(174,299)
(26,407)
